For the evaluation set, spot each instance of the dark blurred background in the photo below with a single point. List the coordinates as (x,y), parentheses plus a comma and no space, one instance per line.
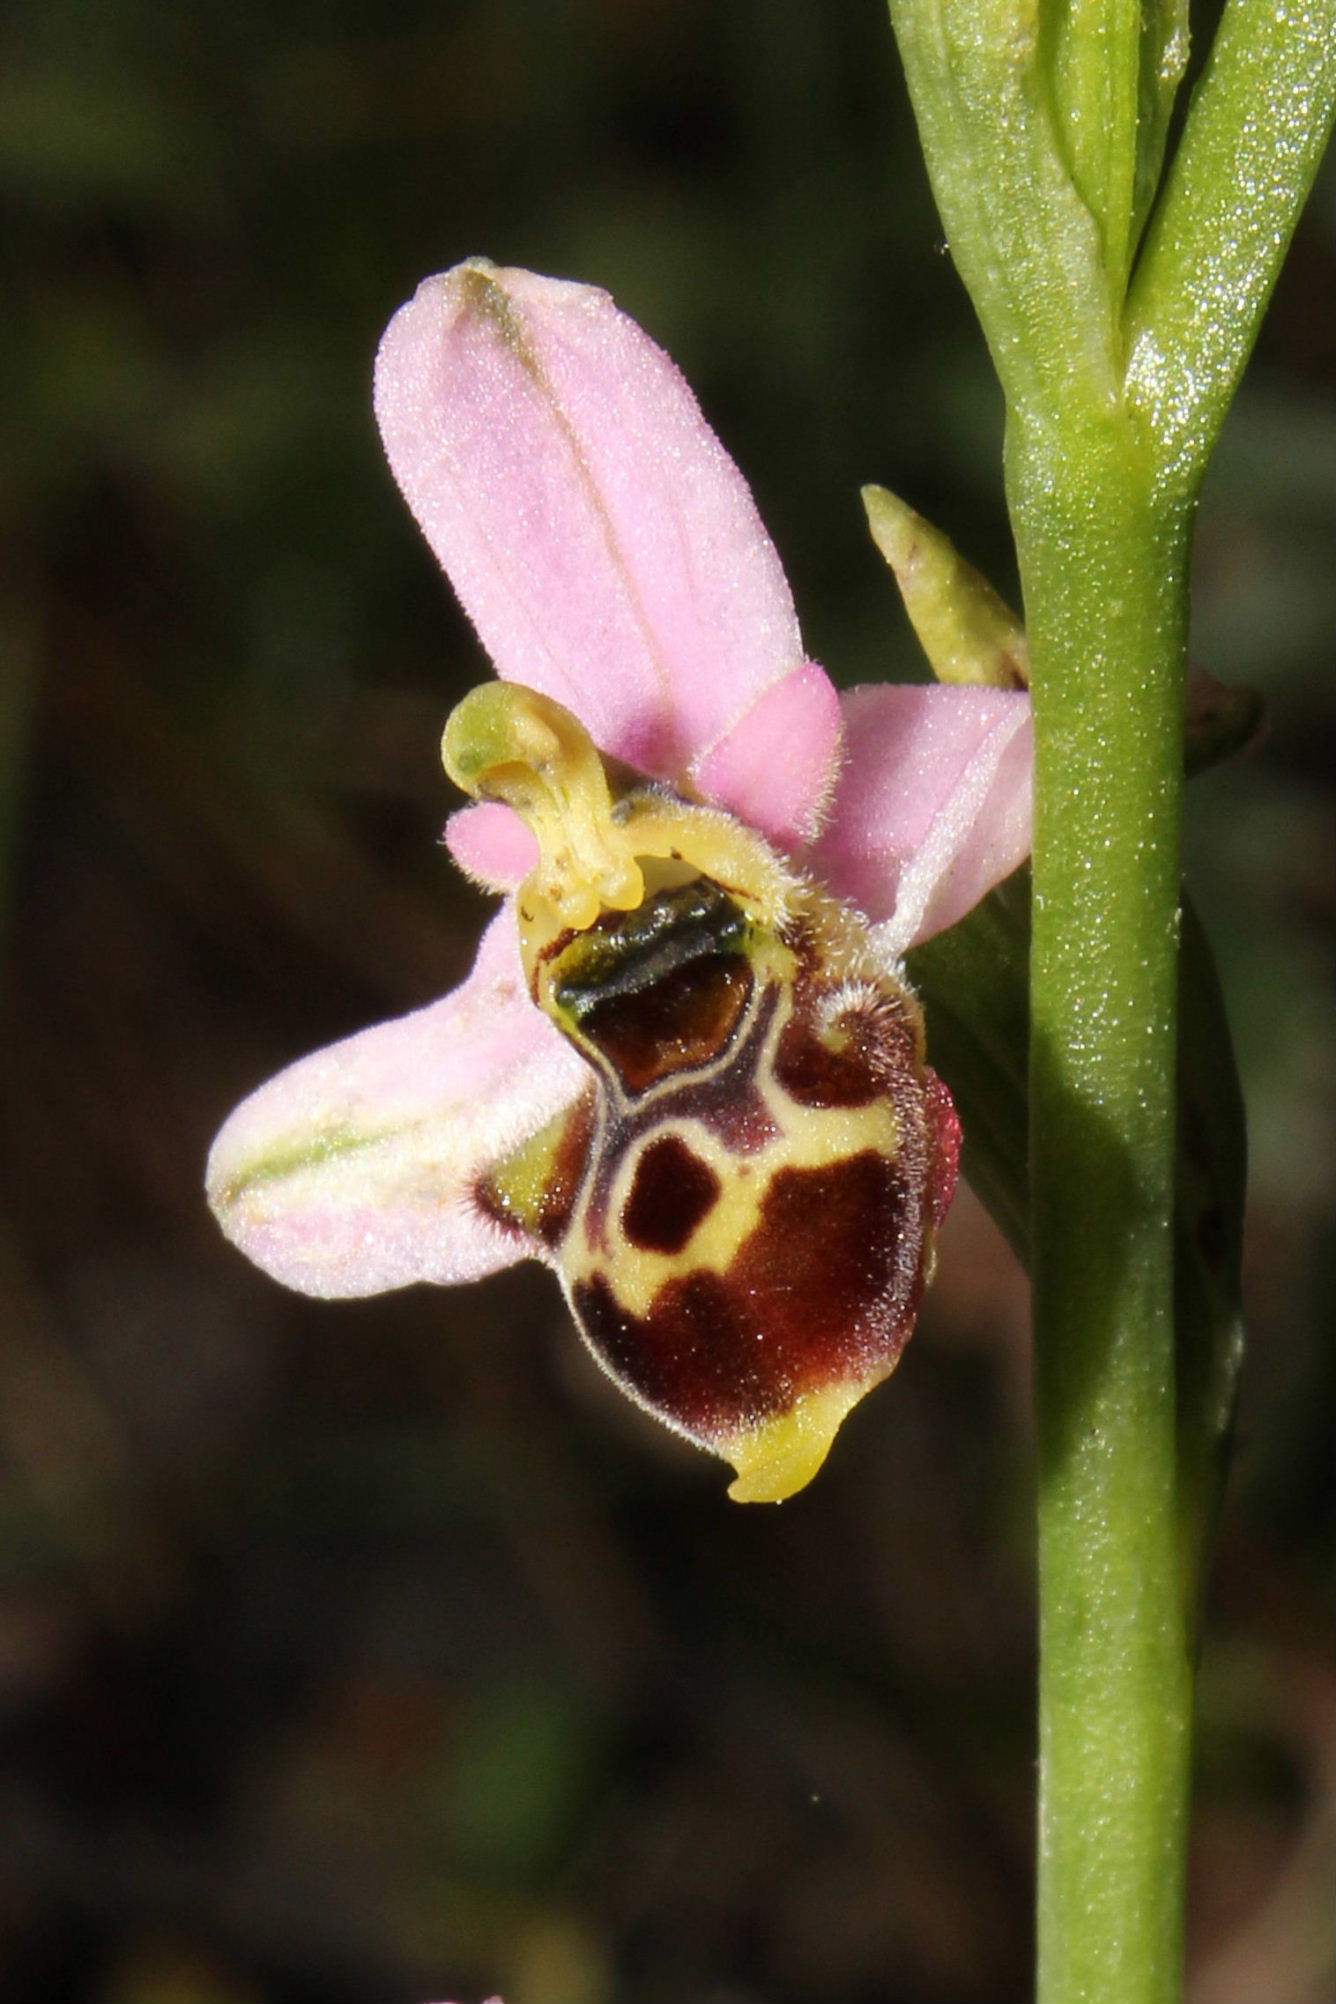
(355,1654)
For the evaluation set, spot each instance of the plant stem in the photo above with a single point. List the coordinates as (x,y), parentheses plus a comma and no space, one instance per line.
(1044,129)
(1104,569)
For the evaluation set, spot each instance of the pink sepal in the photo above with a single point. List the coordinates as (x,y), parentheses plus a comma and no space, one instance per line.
(932,807)
(602,541)
(353,1171)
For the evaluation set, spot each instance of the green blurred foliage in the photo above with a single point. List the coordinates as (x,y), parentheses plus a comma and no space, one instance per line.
(376,1651)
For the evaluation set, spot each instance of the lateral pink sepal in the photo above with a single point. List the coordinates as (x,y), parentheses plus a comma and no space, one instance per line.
(354,1170)
(932,807)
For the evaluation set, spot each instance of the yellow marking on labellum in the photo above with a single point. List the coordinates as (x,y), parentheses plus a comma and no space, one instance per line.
(741,1207)
(803,1137)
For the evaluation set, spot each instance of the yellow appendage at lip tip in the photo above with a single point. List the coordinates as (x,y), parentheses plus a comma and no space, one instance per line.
(780,1457)
(508,743)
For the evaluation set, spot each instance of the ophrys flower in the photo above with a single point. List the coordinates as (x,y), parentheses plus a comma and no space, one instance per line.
(686,1069)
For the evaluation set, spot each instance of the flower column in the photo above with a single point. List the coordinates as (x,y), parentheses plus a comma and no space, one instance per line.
(1044,131)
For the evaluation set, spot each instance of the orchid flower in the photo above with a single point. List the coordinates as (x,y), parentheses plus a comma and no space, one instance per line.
(685,1069)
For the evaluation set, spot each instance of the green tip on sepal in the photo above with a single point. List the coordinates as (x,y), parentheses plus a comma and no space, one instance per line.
(968,633)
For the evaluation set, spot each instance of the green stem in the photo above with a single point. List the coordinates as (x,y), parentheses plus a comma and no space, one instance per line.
(1104,574)
(1044,129)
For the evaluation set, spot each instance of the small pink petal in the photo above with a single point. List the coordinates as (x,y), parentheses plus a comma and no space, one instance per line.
(933,805)
(602,541)
(774,770)
(492,845)
(353,1170)
(775,767)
